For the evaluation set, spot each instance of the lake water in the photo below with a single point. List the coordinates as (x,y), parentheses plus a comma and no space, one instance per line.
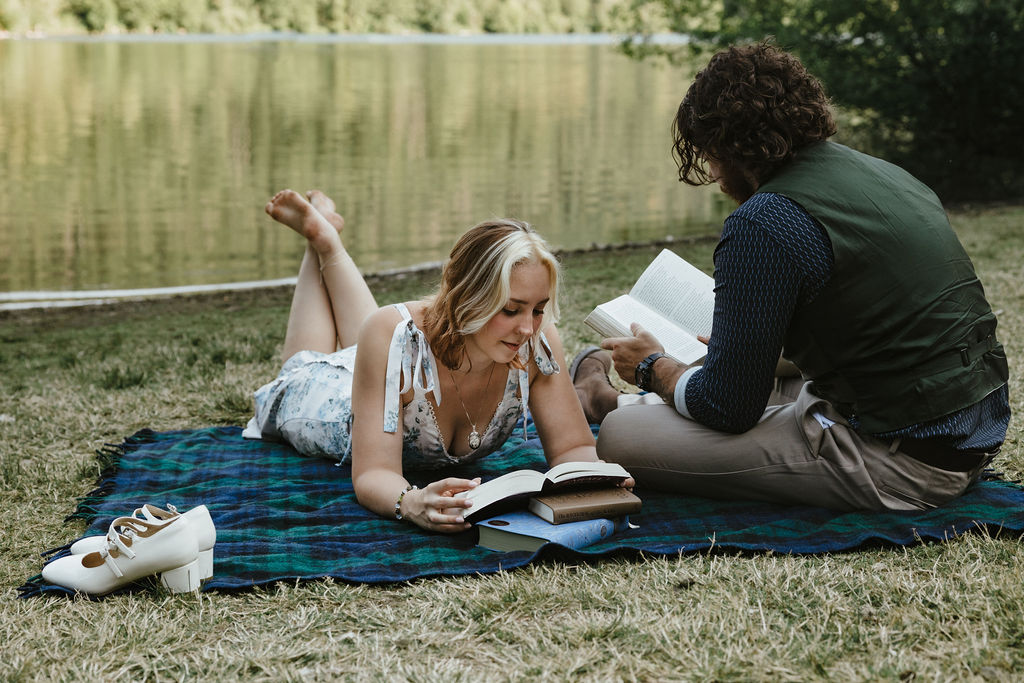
(146,163)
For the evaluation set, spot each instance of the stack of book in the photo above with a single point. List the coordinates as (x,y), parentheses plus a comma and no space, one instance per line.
(574,504)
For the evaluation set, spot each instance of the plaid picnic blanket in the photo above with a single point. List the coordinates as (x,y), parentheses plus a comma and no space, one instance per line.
(282,516)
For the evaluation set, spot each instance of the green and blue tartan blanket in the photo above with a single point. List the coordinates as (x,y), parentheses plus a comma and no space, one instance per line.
(282,516)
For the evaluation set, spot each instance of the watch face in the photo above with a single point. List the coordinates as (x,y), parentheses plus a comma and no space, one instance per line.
(643,374)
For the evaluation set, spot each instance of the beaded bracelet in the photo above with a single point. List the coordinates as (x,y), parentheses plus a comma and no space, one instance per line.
(398,503)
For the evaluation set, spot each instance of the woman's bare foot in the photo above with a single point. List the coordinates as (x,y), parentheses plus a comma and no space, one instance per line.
(325,205)
(292,209)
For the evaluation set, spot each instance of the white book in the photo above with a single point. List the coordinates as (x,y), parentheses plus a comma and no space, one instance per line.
(672,300)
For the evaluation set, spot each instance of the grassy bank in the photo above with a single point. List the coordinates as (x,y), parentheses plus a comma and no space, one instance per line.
(76,379)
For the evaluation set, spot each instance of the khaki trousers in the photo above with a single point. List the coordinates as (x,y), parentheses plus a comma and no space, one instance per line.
(792,456)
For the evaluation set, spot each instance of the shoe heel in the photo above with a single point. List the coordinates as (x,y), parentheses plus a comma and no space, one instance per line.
(205,564)
(183,579)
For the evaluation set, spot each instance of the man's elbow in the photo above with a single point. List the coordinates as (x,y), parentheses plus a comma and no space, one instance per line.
(739,427)
(733,423)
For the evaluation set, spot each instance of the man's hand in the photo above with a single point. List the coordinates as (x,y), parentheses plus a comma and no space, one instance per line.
(627,352)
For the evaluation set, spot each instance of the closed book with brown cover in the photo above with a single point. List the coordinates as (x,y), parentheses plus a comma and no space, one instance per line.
(573,506)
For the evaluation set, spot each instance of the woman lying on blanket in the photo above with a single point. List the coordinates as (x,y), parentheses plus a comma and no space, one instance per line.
(485,343)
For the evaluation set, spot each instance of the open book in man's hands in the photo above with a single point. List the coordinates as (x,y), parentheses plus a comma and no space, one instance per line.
(672,300)
(504,492)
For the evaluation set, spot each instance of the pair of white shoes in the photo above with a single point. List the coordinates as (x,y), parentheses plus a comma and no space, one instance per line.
(177,546)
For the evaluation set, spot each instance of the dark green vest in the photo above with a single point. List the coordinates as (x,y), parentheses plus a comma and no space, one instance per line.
(901,333)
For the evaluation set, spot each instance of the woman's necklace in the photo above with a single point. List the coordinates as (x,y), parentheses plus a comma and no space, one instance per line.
(474,436)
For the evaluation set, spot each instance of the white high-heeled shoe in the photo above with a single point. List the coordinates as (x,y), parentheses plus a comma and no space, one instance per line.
(135,548)
(199,521)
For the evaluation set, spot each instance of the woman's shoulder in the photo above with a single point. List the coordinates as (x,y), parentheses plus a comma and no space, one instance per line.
(416,310)
(381,323)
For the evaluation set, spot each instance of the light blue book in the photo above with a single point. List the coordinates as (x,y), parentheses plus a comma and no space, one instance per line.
(523,530)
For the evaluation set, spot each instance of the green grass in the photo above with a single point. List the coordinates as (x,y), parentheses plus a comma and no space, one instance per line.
(73,380)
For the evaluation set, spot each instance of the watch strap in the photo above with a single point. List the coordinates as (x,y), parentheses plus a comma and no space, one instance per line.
(644,371)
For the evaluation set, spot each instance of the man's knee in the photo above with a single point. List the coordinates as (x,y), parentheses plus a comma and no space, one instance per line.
(634,431)
(609,438)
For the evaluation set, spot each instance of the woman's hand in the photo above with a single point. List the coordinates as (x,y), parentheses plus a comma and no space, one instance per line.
(435,506)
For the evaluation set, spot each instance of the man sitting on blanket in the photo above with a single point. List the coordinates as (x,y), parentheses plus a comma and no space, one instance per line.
(848,266)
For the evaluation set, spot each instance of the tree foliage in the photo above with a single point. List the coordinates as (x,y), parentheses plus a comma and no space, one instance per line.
(315,16)
(937,86)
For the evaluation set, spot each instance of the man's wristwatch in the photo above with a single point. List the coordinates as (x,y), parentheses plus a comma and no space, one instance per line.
(644,371)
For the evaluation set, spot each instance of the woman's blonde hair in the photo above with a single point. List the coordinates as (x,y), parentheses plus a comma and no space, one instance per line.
(476,283)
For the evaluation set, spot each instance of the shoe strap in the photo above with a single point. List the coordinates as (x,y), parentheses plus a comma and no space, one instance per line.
(116,540)
(108,560)
(154,514)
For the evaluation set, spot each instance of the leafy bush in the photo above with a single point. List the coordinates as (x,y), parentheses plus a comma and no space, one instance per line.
(339,16)
(10,17)
(95,15)
(32,15)
(939,86)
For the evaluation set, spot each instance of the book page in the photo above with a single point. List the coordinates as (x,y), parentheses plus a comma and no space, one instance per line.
(602,319)
(678,343)
(678,291)
(581,468)
(514,483)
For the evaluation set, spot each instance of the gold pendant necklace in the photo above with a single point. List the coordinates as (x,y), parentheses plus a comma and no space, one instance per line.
(474,436)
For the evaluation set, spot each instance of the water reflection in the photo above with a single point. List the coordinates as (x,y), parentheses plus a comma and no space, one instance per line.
(145,164)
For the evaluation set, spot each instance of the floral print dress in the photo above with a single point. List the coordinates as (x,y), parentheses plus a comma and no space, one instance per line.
(309,404)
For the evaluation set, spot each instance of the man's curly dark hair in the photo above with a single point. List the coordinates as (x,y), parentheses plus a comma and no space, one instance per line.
(752,107)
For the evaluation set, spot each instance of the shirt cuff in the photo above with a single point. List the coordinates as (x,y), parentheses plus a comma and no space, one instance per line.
(679,395)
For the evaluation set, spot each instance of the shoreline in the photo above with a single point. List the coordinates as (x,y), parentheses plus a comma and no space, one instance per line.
(34,301)
(38,300)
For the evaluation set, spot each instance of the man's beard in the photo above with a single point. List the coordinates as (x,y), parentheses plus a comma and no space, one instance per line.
(736,184)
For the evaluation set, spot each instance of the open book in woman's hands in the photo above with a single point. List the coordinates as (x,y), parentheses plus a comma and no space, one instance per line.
(506,491)
(672,300)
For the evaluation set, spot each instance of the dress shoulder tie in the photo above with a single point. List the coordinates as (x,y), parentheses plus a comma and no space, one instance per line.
(546,363)
(410,364)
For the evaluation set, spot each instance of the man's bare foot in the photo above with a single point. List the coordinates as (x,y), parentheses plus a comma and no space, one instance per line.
(325,205)
(589,375)
(292,209)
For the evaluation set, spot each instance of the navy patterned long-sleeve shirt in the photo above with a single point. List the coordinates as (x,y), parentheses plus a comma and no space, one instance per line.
(773,257)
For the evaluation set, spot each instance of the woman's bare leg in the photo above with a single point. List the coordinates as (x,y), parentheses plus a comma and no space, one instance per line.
(331,299)
(311,319)
(351,299)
